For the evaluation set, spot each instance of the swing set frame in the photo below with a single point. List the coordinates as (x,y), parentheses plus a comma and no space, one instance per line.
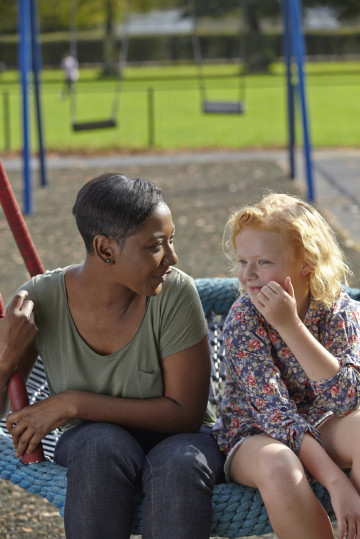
(30,60)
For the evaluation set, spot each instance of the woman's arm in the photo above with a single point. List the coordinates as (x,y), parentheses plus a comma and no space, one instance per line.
(181,409)
(344,497)
(17,331)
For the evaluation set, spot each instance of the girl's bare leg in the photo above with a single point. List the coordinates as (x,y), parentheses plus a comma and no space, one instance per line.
(294,510)
(341,439)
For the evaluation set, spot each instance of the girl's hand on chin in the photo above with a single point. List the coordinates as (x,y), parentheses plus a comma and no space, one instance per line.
(277,304)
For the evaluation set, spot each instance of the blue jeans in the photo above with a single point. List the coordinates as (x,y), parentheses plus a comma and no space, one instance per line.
(107,464)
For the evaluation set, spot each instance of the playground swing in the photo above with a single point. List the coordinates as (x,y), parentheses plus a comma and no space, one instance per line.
(216,106)
(112,120)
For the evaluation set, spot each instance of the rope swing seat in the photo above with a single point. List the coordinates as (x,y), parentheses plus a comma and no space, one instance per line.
(238,511)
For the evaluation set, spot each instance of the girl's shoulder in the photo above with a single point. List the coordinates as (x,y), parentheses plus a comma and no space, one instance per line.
(242,311)
(344,309)
(345,301)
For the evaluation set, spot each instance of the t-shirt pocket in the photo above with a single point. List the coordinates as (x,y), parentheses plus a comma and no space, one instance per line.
(150,384)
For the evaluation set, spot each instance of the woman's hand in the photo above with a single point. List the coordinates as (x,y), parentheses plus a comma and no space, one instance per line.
(17,331)
(31,424)
(180,409)
(345,501)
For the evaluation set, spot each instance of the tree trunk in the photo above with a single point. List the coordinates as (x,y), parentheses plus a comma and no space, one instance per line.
(258,57)
(109,44)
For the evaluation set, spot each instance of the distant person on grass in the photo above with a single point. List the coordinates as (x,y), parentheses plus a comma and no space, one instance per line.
(124,343)
(290,407)
(70,66)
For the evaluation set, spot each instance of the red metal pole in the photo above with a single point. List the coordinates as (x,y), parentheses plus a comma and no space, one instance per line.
(16,386)
(18,226)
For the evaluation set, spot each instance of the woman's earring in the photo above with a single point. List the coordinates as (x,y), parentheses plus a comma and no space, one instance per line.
(108,260)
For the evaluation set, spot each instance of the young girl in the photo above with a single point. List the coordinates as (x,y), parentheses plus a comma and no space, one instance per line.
(290,406)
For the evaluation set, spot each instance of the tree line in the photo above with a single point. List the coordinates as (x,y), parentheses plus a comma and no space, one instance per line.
(105,15)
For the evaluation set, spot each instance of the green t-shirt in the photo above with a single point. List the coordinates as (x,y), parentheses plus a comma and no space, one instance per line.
(173,321)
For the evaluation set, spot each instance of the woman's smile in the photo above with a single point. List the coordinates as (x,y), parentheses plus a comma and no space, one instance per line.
(162,277)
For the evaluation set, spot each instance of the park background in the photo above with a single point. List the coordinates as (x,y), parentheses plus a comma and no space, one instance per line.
(207,164)
(156,91)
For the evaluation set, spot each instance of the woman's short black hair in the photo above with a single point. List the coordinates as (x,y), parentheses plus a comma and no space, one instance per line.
(114,205)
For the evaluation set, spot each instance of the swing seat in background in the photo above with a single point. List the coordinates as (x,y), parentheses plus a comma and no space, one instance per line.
(96,124)
(223,107)
(238,511)
(211,106)
(111,121)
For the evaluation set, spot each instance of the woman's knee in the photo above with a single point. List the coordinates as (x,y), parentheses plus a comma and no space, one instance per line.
(188,466)
(188,456)
(91,444)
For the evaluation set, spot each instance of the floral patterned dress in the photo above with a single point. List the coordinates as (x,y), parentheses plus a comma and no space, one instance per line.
(266,389)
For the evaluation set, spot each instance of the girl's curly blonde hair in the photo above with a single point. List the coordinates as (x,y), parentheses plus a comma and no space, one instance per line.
(310,234)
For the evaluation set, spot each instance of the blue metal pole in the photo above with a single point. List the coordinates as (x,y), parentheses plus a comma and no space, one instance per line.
(36,65)
(298,46)
(287,52)
(24,66)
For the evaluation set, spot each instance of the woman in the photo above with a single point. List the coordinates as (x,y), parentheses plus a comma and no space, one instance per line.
(124,345)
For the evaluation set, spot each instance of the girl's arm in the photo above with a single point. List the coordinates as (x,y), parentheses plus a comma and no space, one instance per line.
(345,499)
(255,391)
(279,308)
(181,408)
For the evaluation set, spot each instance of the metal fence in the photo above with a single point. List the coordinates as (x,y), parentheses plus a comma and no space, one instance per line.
(172,117)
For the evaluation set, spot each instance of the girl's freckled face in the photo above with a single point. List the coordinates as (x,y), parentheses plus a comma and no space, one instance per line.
(264,256)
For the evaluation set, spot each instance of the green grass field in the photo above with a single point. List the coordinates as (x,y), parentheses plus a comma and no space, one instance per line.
(333,91)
